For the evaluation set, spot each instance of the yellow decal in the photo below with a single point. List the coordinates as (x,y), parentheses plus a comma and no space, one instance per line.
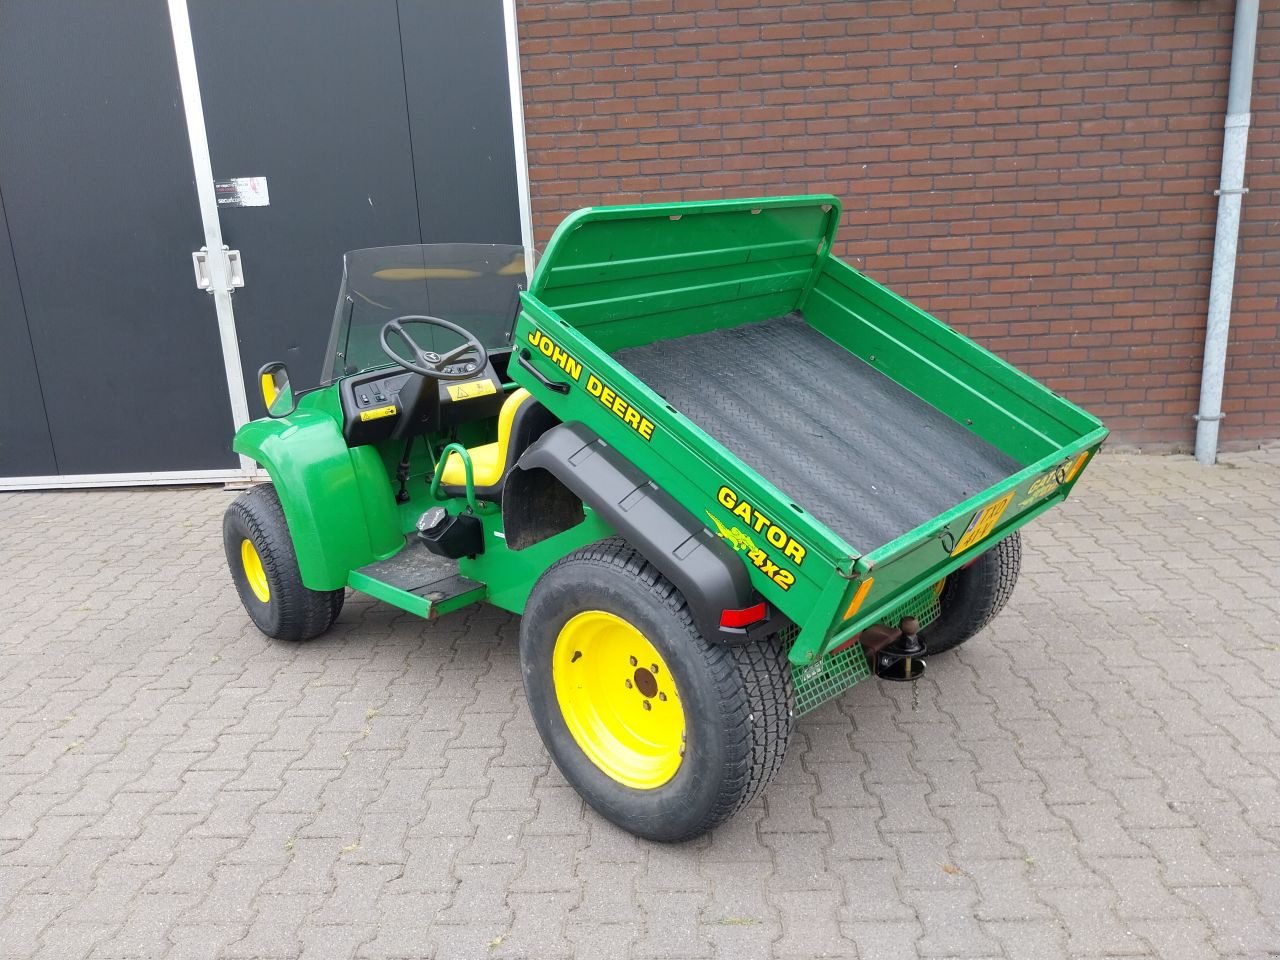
(758,522)
(783,578)
(737,539)
(983,523)
(379,412)
(620,408)
(1076,467)
(556,354)
(741,541)
(470,389)
(609,398)
(1047,483)
(425,273)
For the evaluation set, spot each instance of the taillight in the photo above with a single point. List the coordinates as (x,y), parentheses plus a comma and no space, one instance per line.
(744,617)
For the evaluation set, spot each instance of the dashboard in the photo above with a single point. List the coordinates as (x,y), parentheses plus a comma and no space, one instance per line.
(387,404)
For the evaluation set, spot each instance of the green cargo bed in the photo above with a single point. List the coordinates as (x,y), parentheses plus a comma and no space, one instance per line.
(852,448)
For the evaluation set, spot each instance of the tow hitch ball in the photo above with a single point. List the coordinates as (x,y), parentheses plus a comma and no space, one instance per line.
(903,658)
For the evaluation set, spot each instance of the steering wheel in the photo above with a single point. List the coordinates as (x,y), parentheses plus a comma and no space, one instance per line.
(428,363)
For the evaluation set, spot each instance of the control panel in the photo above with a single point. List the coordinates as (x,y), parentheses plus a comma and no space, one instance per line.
(394,403)
(378,394)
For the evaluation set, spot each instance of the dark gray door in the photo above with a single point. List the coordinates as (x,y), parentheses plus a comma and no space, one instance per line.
(95,170)
(455,69)
(25,445)
(374,123)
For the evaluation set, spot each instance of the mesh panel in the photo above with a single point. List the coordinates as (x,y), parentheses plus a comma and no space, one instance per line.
(837,672)
(829,677)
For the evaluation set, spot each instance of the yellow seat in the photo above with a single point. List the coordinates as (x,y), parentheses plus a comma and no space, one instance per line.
(488,460)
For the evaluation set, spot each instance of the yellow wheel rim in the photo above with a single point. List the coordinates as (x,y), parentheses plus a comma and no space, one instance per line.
(254,571)
(618,699)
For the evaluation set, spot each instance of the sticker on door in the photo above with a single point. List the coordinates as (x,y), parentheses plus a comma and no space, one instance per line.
(242,192)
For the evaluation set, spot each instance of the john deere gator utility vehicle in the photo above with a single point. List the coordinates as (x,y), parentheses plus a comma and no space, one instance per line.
(721,474)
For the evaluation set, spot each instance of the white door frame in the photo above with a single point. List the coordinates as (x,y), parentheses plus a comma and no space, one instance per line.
(220,283)
(148,478)
(516,85)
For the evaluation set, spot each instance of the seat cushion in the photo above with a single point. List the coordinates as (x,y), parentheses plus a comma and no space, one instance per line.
(521,421)
(486,467)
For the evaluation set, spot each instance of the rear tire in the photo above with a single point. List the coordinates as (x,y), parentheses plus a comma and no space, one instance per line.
(973,595)
(264,569)
(664,769)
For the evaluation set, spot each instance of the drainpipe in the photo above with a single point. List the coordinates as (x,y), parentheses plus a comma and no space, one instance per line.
(1230,192)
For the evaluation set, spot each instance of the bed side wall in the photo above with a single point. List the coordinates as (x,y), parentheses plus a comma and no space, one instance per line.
(1008,409)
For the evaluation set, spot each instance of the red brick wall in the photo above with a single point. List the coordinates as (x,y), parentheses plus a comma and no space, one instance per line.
(1038,173)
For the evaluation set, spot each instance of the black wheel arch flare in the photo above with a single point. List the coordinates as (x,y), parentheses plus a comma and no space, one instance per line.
(706,570)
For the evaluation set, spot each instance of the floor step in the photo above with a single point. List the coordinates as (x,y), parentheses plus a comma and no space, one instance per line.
(417,580)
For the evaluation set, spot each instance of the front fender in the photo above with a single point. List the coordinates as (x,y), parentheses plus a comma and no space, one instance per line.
(337,500)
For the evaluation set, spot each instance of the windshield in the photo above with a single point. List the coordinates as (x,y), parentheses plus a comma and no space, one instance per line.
(475,285)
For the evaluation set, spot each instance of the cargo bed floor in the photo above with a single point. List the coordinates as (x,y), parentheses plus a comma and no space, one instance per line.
(867,458)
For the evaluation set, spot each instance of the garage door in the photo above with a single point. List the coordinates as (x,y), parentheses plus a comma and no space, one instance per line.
(371,122)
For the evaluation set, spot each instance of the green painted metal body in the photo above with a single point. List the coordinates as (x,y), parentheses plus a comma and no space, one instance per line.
(340,506)
(337,499)
(617,277)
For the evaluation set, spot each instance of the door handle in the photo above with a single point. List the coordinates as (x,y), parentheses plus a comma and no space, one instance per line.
(233,265)
(522,358)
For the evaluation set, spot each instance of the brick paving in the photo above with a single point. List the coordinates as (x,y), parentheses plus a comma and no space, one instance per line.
(1097,775)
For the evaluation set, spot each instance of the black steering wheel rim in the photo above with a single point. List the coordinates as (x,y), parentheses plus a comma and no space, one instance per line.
(428,362)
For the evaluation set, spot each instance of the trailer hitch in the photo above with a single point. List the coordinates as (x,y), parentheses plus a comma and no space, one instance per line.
(902,655)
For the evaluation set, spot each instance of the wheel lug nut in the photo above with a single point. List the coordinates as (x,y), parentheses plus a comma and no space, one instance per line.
(628,682)
(653,668)
(634,661)
(648,705)
(662,697)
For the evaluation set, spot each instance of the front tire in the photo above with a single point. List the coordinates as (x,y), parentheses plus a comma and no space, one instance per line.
(264,569)
(662,732)
(973,595)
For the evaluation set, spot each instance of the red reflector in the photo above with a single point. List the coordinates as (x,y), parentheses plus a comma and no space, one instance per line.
(744,617)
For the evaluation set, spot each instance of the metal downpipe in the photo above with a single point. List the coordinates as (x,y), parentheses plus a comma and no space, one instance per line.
(1230,192)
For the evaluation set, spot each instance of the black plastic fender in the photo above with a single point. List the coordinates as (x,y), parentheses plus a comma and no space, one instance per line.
(706,570)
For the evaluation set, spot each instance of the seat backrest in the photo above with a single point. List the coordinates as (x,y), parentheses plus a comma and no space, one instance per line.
(506,420)
(521,421)
(528,421)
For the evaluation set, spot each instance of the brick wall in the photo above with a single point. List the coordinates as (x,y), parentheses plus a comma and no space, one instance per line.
(1037,173)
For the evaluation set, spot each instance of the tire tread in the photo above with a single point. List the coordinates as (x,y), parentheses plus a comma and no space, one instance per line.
(302,613)
(754,680)
(974,595)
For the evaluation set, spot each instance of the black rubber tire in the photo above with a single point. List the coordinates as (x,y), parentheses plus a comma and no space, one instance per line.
(291,611)
(738,700)
(973,595)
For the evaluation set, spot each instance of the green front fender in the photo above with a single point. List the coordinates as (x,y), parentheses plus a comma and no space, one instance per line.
(337,500)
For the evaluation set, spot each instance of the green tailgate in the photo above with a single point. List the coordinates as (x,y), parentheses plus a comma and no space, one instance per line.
(620,277)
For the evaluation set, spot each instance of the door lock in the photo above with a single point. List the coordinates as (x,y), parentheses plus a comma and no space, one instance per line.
(234,269)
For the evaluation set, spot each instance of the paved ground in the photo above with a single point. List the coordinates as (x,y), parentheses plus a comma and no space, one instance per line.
(1097,775)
